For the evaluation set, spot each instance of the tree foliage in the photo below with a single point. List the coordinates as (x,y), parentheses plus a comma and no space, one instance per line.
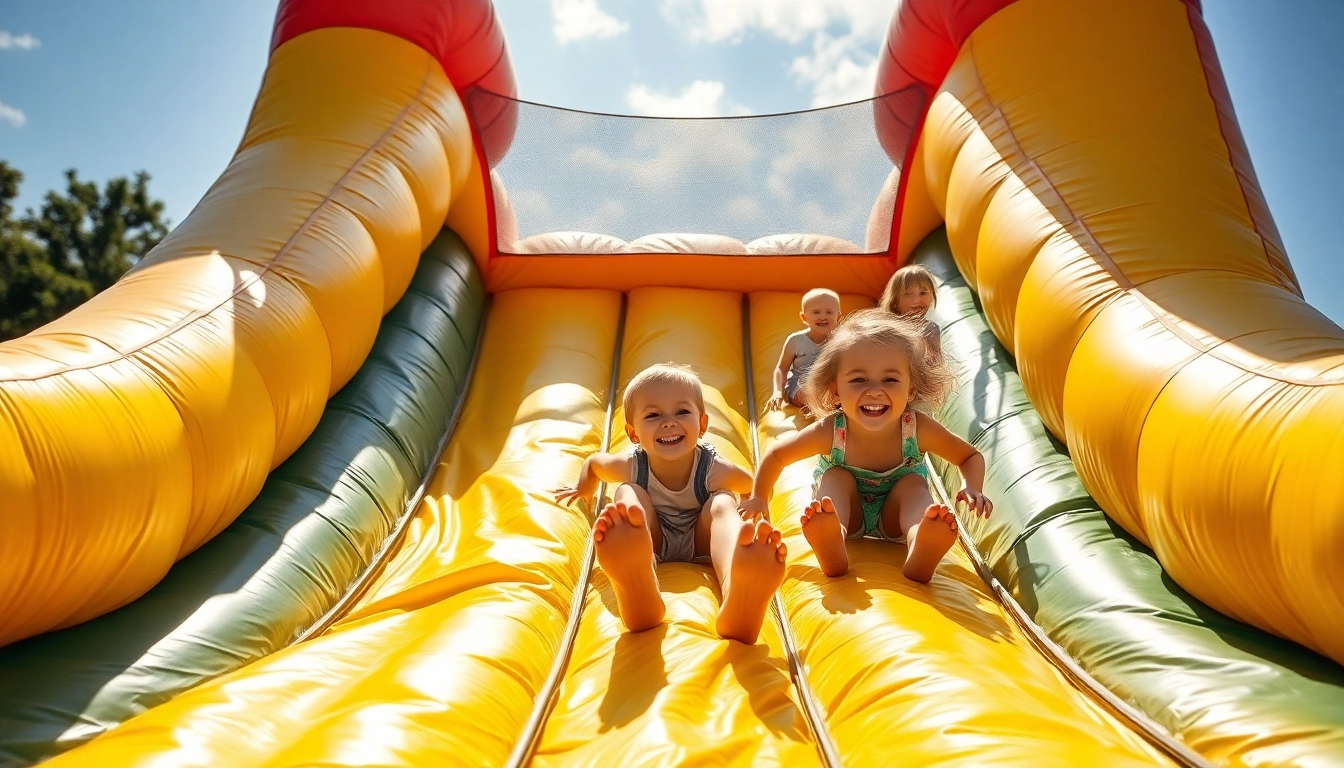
(78,244)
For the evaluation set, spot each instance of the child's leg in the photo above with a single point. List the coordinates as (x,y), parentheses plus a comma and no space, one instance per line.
(749,560)
(830,517)
(627,535)
(801,404)
(930,529)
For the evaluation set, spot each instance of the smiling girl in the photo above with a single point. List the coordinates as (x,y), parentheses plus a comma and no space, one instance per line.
(911,293)
(871,479)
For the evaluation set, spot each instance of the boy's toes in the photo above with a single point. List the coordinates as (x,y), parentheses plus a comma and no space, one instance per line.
(762,532)
(746,534)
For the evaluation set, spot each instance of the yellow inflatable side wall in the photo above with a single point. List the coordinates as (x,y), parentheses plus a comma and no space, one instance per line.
(1076,155)
(139,425)
(441,661)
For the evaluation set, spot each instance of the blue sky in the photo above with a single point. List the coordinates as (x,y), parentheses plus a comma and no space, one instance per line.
(166,85)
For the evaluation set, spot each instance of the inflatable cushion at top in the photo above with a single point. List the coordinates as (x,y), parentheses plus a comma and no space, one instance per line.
(571,243)
(801,243)
(679,242)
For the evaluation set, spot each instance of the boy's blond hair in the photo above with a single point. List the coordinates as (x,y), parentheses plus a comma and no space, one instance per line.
(930,379)
(913,274)
(817,293)
(663,372)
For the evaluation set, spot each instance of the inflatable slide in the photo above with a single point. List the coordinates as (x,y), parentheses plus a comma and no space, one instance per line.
(282,495)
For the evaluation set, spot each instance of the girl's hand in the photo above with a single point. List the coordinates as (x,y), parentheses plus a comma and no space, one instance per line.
(775,403)
(976,501)
(751,508)
(567,496)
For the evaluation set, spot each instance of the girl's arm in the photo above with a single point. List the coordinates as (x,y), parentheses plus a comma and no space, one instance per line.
(812,440)
(611,467)
(934,438)
(781,376)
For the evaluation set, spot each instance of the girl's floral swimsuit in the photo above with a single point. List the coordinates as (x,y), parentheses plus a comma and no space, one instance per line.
(874,487)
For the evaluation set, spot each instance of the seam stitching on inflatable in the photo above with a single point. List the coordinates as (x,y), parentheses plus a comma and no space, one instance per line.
(268,266)
(1242,181)
(1093,247)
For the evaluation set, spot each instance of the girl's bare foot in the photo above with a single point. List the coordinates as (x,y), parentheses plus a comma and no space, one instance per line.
(756,572)
(929,540)
(625,552)
(821,528)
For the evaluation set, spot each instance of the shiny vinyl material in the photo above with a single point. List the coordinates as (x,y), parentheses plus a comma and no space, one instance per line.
(1079,153)
(1237,695)
(915,674)
(138,426)
(678,693)
(441,660)
(317,522)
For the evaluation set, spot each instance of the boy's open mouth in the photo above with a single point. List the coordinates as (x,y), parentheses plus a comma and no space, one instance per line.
(874,410)
(671,439)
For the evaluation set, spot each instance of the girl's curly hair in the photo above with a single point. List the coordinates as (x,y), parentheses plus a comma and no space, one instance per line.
(930,380)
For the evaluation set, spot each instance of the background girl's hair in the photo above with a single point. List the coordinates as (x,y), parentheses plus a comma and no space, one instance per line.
(929,377)
(663,372)
(911,274)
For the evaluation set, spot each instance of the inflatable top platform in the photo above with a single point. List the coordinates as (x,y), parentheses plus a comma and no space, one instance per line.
(281,496)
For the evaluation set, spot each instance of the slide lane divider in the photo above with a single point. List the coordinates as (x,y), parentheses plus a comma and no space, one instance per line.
(392,544)
(545,701)
(1075,674)
(812,710)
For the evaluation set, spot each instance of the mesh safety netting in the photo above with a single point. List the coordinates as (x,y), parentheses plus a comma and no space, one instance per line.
(826,172)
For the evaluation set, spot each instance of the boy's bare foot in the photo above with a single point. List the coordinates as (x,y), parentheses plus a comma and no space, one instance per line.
(756,572)
(930,539)
(821,528)
(625,552)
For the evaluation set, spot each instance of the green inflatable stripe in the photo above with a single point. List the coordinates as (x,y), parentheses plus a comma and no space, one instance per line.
(288,558)
(1231,692)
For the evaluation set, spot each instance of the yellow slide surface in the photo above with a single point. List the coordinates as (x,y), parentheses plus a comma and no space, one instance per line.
(441,662)
(679,694)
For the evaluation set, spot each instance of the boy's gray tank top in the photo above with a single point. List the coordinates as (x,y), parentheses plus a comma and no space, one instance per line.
(804,355)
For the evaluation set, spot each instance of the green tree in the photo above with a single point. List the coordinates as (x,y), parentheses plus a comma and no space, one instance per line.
(80,243)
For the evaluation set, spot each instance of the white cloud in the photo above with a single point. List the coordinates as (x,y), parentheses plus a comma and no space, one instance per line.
(610,216)
(668,154)
(845,37)
(790,20)
(13,115)
(581,19)
(702,98)
(797,166)
(537,215)
(744,209)
(24,42)
(839,70)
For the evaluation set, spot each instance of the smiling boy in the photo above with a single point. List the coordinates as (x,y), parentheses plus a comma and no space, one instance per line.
(820,313)
(691,492)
